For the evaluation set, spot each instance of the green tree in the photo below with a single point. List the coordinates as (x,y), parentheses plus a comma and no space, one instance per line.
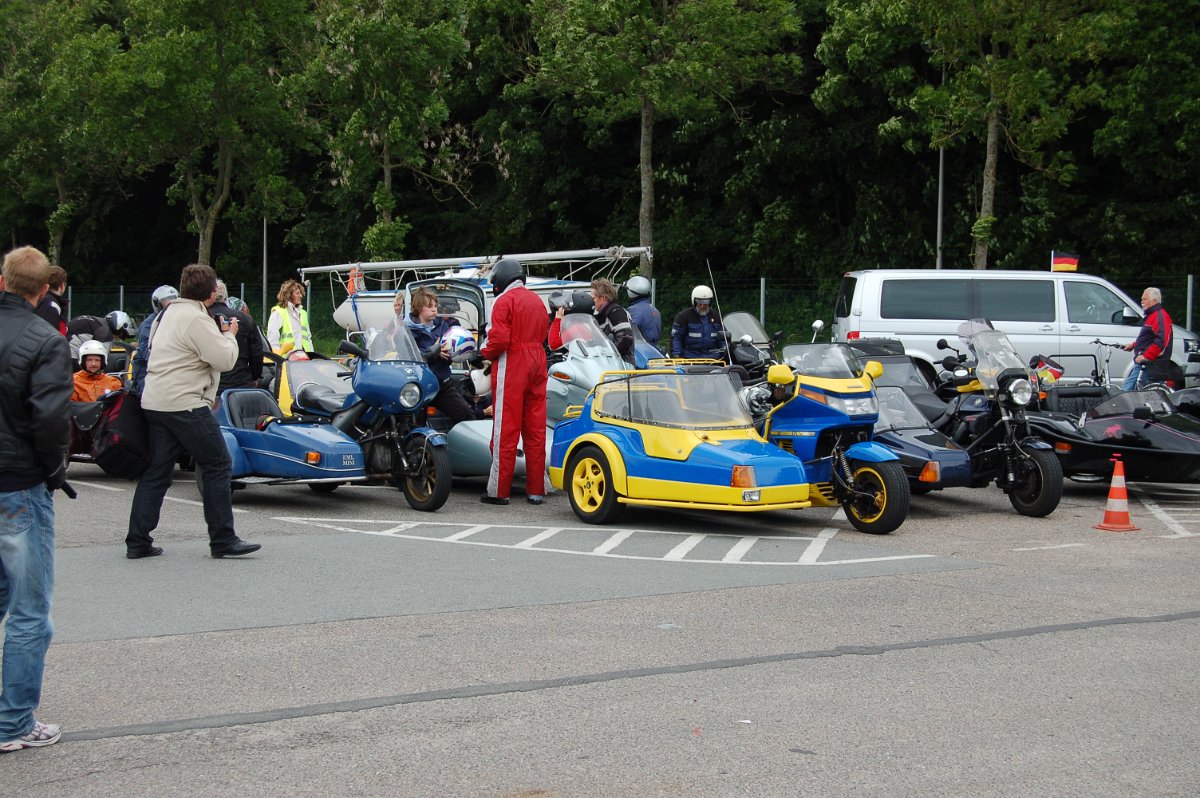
(199,89)
(54,60)
(378,83)
(682,59)
(1013,77)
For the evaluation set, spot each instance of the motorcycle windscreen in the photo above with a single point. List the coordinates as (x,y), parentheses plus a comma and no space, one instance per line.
(741,323)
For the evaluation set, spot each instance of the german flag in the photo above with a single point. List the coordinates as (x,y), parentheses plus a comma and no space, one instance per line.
(1063,261)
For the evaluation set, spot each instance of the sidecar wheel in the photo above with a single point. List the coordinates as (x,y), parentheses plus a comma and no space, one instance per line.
(879,503)
(1039,484)
(588,480)
(427,486)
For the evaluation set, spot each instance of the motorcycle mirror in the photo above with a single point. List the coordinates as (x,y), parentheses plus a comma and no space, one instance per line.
(746,339)
(1143,413)
(941,344)
(350,348)
(817,326)
(777,336)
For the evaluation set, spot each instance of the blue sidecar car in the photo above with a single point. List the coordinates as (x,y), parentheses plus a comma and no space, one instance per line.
(268,449)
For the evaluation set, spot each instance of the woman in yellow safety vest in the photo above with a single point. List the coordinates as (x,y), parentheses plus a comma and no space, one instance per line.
(288,329)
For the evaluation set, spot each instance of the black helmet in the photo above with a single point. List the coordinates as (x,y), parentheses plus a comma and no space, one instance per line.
(504,273)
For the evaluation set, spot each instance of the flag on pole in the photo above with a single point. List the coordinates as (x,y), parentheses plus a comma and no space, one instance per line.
(1063,261)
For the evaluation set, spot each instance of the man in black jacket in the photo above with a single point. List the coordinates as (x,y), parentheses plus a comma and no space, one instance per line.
(247,371)
(35,367)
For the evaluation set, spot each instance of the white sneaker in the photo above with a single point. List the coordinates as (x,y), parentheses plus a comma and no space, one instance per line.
(41,734)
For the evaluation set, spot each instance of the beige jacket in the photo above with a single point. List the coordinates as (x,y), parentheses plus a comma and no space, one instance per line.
(187,355)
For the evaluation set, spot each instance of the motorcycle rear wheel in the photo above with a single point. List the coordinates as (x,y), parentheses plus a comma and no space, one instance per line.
(880,500)
(427,485)
(1039,485)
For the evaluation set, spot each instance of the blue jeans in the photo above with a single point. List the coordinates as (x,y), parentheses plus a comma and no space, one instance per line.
(26,582)
(197,432)
(1135,377)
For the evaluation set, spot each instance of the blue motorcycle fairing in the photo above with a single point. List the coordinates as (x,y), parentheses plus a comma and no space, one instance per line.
(378,382)
(870,452)
(1034,442)
(436,437)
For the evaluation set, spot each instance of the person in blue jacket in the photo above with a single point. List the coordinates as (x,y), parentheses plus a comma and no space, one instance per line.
(697,330)
(643,315)
(427,329)
(162,296)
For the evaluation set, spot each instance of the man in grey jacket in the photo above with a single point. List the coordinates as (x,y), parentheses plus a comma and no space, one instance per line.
(190,351)
(35,368)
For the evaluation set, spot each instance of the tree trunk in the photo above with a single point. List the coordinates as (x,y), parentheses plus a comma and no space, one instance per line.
(987,199)
(59,230)
(646,174)
(206,217)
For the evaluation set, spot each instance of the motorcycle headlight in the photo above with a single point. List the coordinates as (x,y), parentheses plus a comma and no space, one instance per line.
(410,395)
(854,406)
(1021,391)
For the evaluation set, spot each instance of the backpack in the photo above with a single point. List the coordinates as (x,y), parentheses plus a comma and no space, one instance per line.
(121,438)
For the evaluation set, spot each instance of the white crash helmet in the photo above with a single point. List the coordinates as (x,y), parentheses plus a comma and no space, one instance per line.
(163,296)
(458,344)
(120,323)
(637,286)
(481,381)
(702,295)
(94,347)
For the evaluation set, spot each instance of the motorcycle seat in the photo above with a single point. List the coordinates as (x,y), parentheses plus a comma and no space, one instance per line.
(315,396)
(1075,399)
(245,407)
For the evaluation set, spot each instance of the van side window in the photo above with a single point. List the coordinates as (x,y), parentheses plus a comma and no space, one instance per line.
(925,299)
(1088,303)
(1016,300)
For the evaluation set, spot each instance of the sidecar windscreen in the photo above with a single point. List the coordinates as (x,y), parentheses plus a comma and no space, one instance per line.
(1123,404)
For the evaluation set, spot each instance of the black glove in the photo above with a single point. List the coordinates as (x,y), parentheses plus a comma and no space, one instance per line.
(55,480)
(476,361)
(58,481)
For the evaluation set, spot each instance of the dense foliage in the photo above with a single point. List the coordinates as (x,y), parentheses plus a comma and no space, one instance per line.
(786,139)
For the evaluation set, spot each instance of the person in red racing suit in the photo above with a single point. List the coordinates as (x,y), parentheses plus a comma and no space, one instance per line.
(515,346)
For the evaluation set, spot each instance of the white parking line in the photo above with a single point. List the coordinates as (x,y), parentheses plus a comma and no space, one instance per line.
(1180,531)
(466,533)
(615,540)
(739,544)
(1044,548)
(195,503)
(814,549)
(739,549)
(529,543)
(683,548)
(87,484)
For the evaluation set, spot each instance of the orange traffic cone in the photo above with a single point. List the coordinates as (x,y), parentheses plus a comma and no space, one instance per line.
(1116,512)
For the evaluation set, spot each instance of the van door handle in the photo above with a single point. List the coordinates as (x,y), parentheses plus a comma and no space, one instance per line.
(1048,328)
(1073,328)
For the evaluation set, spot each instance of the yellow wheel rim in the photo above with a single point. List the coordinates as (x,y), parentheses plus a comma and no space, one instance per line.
(868,480)
(588,485)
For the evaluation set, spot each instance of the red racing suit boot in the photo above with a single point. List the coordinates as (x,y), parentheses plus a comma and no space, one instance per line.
(515,347)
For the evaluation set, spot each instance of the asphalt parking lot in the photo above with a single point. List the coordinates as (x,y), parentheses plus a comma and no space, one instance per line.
(372,650)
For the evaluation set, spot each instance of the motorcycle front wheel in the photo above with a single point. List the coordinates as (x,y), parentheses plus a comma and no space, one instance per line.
(878,503)
(426,486)
(1039,484)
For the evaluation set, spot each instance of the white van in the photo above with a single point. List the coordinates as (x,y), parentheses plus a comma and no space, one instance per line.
(1043,313)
